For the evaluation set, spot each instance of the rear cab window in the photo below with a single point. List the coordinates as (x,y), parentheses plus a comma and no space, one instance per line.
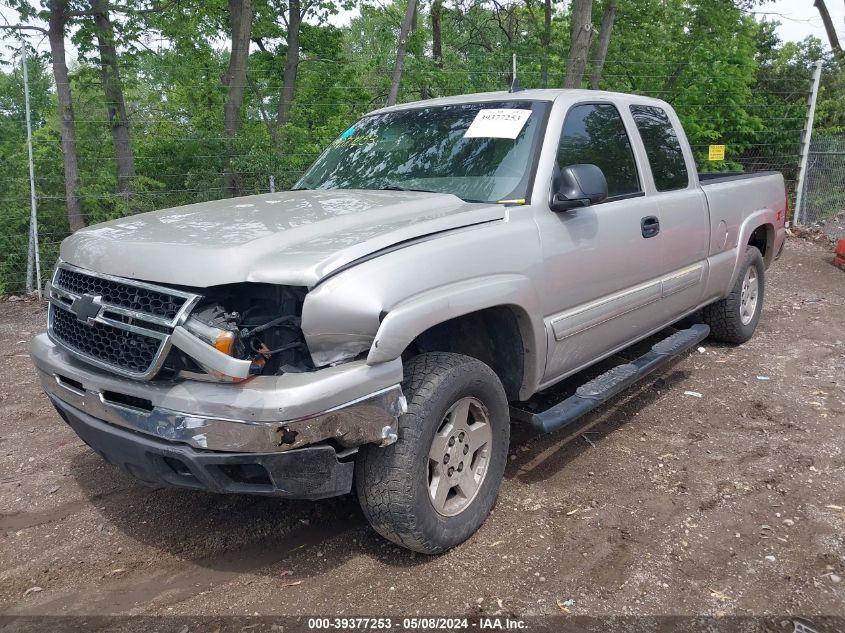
(662,147)
(593,133)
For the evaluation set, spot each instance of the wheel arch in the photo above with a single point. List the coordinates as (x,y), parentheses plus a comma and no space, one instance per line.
(464,318)
(757,229)
(763,239)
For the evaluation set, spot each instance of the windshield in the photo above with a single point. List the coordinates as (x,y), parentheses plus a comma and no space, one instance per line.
(481,152)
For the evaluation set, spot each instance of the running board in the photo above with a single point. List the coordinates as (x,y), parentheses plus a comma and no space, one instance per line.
(601,389)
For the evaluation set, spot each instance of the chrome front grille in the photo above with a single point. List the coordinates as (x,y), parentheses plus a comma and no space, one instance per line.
(117,324)
(119,348)
(119,293)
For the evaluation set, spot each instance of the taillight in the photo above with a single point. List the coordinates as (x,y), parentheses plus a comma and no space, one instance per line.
(785,206)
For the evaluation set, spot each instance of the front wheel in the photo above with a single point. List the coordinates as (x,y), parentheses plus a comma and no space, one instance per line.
(434,487)
(734,318)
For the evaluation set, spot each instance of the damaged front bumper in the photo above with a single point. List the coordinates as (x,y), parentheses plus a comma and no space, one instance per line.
(267,414)
(312,472)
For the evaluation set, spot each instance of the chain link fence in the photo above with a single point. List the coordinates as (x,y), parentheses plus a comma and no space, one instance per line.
(824,185)
(759,131)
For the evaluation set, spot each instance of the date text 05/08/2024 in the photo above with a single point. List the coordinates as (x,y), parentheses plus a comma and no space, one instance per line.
(417,623)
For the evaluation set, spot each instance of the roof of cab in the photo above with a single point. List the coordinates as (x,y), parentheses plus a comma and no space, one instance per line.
(544,94)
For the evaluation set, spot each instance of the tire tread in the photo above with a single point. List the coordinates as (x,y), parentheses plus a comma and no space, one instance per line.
(723,316)
(384,481)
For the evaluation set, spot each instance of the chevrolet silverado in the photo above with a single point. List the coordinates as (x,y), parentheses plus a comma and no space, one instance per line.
(380,325)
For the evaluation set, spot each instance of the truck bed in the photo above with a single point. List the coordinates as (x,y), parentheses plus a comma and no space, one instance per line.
(711,178)
(733,199)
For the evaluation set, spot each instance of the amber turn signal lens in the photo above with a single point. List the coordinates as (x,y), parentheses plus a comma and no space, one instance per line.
(225,342)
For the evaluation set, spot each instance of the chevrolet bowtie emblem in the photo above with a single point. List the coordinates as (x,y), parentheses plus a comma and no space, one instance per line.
(87,307)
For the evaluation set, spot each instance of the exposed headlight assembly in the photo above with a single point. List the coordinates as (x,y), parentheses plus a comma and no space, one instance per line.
(241,330)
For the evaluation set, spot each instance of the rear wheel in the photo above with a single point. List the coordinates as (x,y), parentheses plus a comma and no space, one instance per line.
(434,487)
(734,318)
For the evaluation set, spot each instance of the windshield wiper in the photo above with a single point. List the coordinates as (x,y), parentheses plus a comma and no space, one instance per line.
(392,187)
(398,188)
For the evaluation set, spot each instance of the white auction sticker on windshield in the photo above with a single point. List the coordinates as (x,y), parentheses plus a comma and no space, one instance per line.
(498,123)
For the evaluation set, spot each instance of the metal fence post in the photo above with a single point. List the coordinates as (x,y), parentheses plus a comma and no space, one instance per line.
(272,184)
(33,254)
(806,137)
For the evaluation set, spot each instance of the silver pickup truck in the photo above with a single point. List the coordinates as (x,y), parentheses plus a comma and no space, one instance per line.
(382,324)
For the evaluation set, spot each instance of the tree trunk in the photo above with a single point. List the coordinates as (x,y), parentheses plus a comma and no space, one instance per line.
(546,41)
(67,121)
(672,79)
(113,91)
(291,66)
(832,37)
(580,39)
(240,20)
(401,48)
(437,32)
(604,43)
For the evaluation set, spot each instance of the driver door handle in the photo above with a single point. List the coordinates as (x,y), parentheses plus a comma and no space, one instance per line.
(650,226)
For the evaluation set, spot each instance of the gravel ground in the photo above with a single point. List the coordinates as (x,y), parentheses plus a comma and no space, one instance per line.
(660,503)
(834,226)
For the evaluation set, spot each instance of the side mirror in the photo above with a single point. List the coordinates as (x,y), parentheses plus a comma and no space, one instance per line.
(578,186)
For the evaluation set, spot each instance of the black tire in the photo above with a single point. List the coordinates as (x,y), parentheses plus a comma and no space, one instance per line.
(725,316)
(393,482)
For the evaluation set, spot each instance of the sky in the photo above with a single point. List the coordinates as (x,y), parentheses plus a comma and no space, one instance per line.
(798,19)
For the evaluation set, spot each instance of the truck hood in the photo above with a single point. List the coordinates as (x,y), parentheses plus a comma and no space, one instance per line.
(291,238)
